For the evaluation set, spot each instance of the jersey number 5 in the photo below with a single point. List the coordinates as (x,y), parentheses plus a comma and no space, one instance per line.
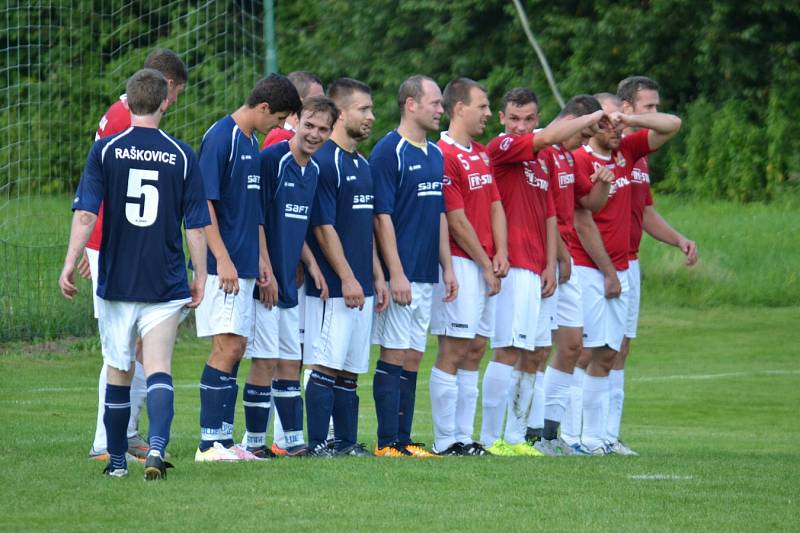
(143,211)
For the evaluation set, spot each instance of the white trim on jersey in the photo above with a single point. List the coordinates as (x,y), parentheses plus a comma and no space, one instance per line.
(397,150)
(185,159)
(112,141)
(233,142)
(336,164)
(315,164)
(281,164)
(445,136)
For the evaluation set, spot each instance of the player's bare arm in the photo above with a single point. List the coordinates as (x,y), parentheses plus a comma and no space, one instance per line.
(264,262)
(226,271)
(387,240)
(466,238)
(381,290)
(82,225)
(196,242)
(658,228)
(561,130)
(500,235)
(308,259)
(598,195)
(446,261)
(549,275)
(564,260)
(662,126)
(267,292)
(592,242)
(332,248)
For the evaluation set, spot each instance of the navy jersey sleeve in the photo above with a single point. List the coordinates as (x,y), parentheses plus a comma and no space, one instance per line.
(269,174)
(90,188)
(385,176)
(195,206)
(324,210)
(215,151)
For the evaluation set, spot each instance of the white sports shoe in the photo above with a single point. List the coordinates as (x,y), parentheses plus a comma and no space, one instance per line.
(218,452)
(618,448)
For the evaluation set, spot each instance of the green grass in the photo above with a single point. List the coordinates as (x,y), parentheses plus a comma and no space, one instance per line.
(711,405)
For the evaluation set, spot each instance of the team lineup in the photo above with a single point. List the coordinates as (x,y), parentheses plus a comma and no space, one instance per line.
(304,253)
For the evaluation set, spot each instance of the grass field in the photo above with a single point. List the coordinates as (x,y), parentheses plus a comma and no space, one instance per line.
(712,401)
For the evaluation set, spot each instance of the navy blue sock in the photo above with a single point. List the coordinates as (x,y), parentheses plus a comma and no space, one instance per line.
(257,401)
(386,392)
(160,410)
(408,397)
(289,405)
(319,406)
(118,412)
(345,412)
(229,408)
(214,390)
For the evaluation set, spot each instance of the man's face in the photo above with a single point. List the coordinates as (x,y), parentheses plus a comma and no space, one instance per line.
(578,139)
(174,90)
(268,120)
(313,129)
(427,112)
(475,114)
(520,119)
(608,139)
(647,101)
(357,116)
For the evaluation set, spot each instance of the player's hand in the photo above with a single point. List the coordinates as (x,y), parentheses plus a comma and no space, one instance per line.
(228,277)
(264,272)
(67,282)
(322,286)
(564,271)
(83,267)
(548,281)
(353,293)
(619,118)
(197,289)
(401,289)
(450,285)
(492,281)
(500,264)
(268,294)
(381,295)
(611,285)
(689,248)
(603,175)
(597,122)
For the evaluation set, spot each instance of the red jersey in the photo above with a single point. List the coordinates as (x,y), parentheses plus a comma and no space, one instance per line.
(116,119)
(566,187)
(277,135)
(524,185)
(614,220)
(469,185)
(641,197)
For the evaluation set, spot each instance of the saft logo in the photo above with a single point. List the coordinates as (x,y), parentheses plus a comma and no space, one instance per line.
(362,201)
(254,181)
(299,212)
(429,188)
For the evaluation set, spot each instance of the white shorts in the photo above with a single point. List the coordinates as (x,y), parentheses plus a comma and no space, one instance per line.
(301,311)
(547,321)
(403,327)
(220,313)
(635,282)
(517,311)
(94,265)
(472,313)
(338,337)
(603,319)
(570,301)
(275,333)
(121,322)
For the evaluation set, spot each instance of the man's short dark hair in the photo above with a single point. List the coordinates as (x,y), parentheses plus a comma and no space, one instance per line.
(457,91)
(580,105)
(341,90)
(146,90)
(321,104)
(608,97)
(519,96)
(278,92)
(628,89)
(411,88)
(169,64)
(302,81)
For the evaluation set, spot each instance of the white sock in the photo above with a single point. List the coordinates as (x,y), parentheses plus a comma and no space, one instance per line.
(595,409)
(616,386)
(444,396)
(138,397)
(100,442)
(571,422)
(496,380)
(466,404)
(520,397)
(556,393)
(536,416)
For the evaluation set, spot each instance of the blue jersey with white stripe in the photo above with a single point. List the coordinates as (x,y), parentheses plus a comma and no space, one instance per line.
(229,160)
(148,183)
(408,186)
(288,196)
(345,201)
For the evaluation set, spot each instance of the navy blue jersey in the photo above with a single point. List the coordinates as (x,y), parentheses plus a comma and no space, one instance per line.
(288,196)
(408,186)
(231,175)
(148,183)
(345,201)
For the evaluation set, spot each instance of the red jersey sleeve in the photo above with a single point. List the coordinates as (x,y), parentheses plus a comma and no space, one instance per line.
(275,136)
(551,203)
(510,149)
(549,156)
(583,170)
(453,181)
(116,119)
(635,146)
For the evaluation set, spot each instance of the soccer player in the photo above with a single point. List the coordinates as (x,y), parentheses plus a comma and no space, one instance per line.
(116,120)
(148,183)
(338,332)
(237,255)
(639,95)
(308,85)
(532,240)
(602,250)
(478,235)
(411,230)
(289,184)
